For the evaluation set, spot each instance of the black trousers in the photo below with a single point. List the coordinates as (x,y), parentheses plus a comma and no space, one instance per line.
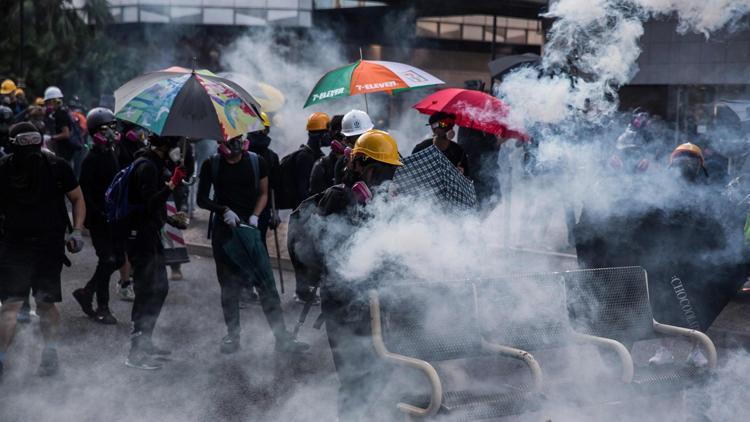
(362,374)
(231,280)
(111,255)
(149,281)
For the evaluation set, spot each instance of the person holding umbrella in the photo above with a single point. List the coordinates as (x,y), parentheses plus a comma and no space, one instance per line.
(149,188)
(442,129)
(240,182)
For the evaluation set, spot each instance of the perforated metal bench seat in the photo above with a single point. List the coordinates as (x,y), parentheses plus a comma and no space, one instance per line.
(667,377)
(469,405)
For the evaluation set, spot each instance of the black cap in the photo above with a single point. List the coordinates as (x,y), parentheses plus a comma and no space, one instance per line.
(22,127)
(441,116)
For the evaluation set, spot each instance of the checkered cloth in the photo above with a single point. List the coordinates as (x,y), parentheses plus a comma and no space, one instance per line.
(429,172)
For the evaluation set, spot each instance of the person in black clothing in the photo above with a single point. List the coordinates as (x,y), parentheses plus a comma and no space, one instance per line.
(323,171)
(58,124)
(259,144)
(362,376)
(180,196)
(97,171)
(308,154)
(240,182)
(149,188)
(134,138)
(482,150)
(33,188)
(442,129)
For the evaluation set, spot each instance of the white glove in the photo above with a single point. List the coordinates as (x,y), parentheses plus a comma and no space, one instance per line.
(74,241)
(47,139)
(231,219)
(253,220)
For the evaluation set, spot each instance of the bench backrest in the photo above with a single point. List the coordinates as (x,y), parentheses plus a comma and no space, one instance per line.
(525,311)
(430,321)
(610,302)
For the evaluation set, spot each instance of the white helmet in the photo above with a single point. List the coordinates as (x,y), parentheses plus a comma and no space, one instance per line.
(356,122)
(52,92)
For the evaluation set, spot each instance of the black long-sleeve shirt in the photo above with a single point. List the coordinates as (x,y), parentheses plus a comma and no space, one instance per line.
(148,188)
(304,162)
(97,171)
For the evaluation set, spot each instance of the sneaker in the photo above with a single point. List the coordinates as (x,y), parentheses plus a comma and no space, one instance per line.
(84,299)
(152,350)
(176,274)
(696,358)
(48,366)
(287,344)
(298,300)
(125,290)
(140,360)
(230,344)
(104,316)
(663,356)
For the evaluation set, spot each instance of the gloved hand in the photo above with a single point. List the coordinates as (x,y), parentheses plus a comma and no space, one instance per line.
(74,241)
(275,220)
(231,218)
(253,220)
(178,175)
(361,192)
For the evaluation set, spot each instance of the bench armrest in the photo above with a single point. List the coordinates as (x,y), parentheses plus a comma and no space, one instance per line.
(528,358)
(703,340)
(436,394)
(622,352)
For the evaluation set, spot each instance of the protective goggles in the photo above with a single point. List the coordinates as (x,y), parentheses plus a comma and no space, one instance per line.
(443,124)
(27,138)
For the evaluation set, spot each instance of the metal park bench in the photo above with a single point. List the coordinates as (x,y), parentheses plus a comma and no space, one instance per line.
(614,303)
(418,324)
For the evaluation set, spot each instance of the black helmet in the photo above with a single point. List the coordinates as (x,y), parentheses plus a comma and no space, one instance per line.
(99,117)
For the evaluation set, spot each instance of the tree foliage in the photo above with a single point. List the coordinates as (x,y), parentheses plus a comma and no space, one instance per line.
(65,47)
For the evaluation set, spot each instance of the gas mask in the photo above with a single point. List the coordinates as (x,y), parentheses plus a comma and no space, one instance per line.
(234,147)
(106,136)
(175,155)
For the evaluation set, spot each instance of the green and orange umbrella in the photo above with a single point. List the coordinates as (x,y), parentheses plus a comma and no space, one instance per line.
(368,76)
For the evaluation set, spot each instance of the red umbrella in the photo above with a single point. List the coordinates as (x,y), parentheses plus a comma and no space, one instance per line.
(473,109)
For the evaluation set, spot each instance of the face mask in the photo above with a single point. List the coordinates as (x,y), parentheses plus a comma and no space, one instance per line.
(175,155)
(49,108)
(450,134)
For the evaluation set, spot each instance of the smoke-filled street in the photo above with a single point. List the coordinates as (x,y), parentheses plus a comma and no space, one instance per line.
(197,384)
(527,210)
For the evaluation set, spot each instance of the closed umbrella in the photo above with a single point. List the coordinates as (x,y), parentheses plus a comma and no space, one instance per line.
(247,252)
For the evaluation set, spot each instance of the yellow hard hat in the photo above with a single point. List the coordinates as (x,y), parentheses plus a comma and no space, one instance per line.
(318,121)
(687,149)
(378,145)
(264,117)
(7,87)
(39,101)
(19,91)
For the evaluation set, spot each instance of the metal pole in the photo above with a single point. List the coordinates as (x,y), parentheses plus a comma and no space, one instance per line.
(367,107)
(276,239)
(21,43)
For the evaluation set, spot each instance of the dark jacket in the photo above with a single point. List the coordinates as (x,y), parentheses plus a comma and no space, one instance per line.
(97,171)
(323,173)
(303,164)
(149,191)
(259,144)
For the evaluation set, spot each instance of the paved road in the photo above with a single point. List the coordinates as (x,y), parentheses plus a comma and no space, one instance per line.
(199,384)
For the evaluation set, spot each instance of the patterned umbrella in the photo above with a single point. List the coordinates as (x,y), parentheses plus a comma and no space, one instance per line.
(367,76)
(270,98)
(430,172)
(181,102)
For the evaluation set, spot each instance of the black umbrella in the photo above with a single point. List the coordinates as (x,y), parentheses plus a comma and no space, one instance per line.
(500,67)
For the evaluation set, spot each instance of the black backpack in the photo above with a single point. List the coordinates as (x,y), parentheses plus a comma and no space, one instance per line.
(287,197)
